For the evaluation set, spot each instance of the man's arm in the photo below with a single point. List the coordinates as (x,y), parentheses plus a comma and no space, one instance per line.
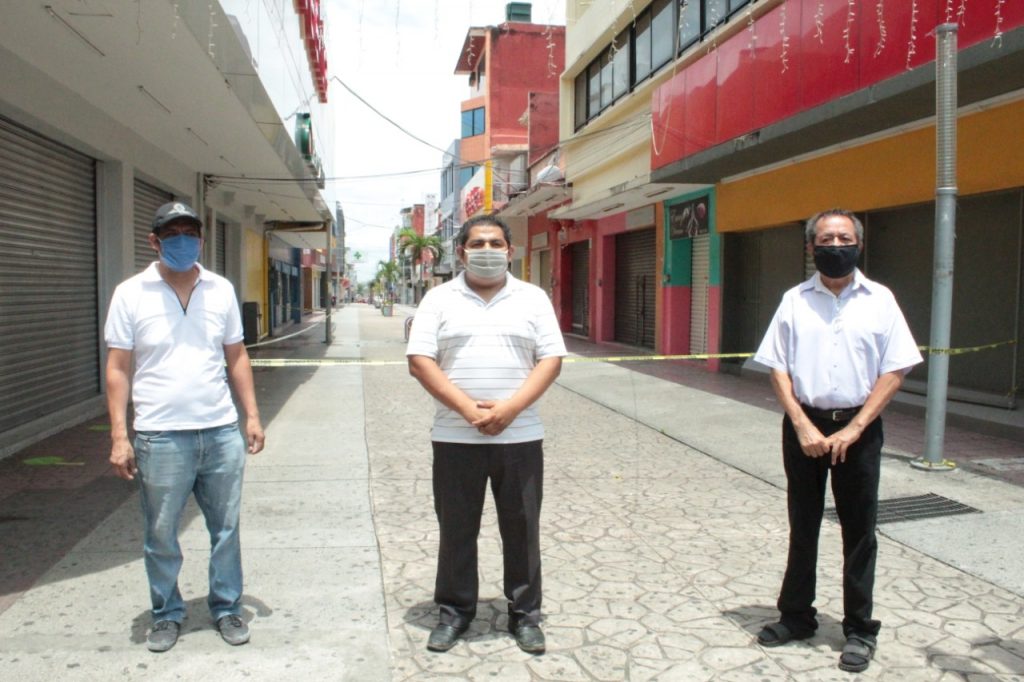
(812,442)
(881,393)
(503,412)
(122,455)
(430,375)
(240,378)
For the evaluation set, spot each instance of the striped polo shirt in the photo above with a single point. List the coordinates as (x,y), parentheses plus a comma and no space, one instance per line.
(487,349)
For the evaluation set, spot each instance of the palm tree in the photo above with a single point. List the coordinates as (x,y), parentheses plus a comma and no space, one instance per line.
(388,274)
(415,247)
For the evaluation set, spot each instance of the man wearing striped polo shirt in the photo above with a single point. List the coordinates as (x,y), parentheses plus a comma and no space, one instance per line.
(486,346)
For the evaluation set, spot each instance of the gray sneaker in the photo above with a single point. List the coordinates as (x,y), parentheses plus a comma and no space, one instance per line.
(233,629)
(163,636)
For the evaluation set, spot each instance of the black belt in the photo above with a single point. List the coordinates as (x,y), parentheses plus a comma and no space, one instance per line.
(843,414)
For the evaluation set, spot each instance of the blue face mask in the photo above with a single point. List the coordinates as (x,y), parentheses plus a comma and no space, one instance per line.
(180,252)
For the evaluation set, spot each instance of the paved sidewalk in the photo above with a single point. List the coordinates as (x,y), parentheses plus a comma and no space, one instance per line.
(663,538)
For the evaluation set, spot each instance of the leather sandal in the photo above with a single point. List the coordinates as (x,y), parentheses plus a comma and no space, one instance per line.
(857,654)
(777,634)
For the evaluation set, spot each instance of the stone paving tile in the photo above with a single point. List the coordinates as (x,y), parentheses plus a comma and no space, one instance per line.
(660,563)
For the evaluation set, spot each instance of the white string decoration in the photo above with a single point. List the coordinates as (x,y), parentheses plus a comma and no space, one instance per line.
(880,12)
(784,55)
(819,22)
(851,8)
(997,37)
(949,11)
(751,35)
(961,12)
(912,42)
(174,26)
(209,38)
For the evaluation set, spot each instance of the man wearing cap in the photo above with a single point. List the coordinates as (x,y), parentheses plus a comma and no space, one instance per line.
(182,325)
(838,348)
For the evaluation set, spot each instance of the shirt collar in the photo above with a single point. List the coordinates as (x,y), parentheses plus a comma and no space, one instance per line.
(511,285)
(859,282)
(152,273)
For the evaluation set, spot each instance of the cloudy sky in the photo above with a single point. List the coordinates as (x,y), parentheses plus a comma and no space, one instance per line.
(399,55)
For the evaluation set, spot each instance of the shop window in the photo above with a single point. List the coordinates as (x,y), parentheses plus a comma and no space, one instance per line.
(662,33)
(689,23)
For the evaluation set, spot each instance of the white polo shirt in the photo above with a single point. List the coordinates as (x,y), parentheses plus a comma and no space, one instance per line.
(487,349)
(834,348)
(180,380)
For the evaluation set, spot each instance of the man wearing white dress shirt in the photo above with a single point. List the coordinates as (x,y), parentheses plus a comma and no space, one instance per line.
(838,348)
(486,346)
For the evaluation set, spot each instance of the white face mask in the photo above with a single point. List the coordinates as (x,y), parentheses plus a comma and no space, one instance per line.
(487,264)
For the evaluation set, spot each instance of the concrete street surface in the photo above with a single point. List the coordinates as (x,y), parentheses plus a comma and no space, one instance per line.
(663,535)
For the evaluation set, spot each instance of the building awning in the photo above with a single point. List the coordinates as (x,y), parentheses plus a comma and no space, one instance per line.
(300,235)
(624,197)
(537,199)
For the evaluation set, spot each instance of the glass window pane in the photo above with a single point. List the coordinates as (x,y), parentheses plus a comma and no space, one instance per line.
(606,79)
(580,100)
(594,78)
(643,46)
(662,33)
(736,4)
(478,121)
(620,65)
(689,22)
(716,13)
(467,123)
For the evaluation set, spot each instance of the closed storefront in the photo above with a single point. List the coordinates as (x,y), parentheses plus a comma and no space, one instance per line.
(580,265)
(49,336)
(987,306)
(147,200)
(635,288)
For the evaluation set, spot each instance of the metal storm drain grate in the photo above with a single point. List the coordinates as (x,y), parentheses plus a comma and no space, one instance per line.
(913,508)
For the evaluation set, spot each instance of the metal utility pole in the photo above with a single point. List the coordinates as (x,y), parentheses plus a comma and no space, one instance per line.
(945,235)
(328,229)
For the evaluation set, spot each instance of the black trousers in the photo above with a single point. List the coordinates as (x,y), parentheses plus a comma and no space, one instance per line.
(855,489)
(516,472)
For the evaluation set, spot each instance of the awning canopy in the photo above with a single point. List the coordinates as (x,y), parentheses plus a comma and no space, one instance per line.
(629,195)
(537,199)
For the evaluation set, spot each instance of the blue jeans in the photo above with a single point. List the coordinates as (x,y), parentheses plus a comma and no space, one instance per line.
(171,465)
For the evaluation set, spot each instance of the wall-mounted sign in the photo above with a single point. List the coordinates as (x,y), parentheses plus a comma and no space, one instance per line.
(688,218)
(313,35)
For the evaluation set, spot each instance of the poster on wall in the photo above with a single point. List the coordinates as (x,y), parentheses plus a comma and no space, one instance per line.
(688,219)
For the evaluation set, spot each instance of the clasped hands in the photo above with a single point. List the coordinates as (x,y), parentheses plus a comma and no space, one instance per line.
(491,417)
(815,444)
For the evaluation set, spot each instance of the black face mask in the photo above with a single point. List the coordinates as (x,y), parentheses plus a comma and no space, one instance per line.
(836,261)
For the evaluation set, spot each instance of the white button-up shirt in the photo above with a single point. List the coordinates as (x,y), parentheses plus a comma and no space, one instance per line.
(487,349)
(834,348)
(180,381)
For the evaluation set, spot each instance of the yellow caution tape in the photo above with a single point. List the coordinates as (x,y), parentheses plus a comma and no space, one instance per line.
(324,362)
(965,349)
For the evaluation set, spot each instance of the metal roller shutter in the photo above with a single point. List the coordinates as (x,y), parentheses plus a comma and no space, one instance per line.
(581,288)
(48,286)
(701,256)
(635,281)
(147,200)
(220,249)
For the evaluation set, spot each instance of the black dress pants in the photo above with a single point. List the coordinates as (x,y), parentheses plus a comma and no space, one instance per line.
(516,472)
(855,489)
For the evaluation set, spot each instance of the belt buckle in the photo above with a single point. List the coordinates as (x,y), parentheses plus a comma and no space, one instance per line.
(837,415)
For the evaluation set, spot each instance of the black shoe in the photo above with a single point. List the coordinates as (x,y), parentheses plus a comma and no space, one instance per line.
(444,636)
(529,637)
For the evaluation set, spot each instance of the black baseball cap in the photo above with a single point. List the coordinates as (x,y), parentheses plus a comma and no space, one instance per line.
(175,210)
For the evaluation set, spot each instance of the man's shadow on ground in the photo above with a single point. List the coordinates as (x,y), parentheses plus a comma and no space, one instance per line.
(197,617)
(754,617)
(491,620)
